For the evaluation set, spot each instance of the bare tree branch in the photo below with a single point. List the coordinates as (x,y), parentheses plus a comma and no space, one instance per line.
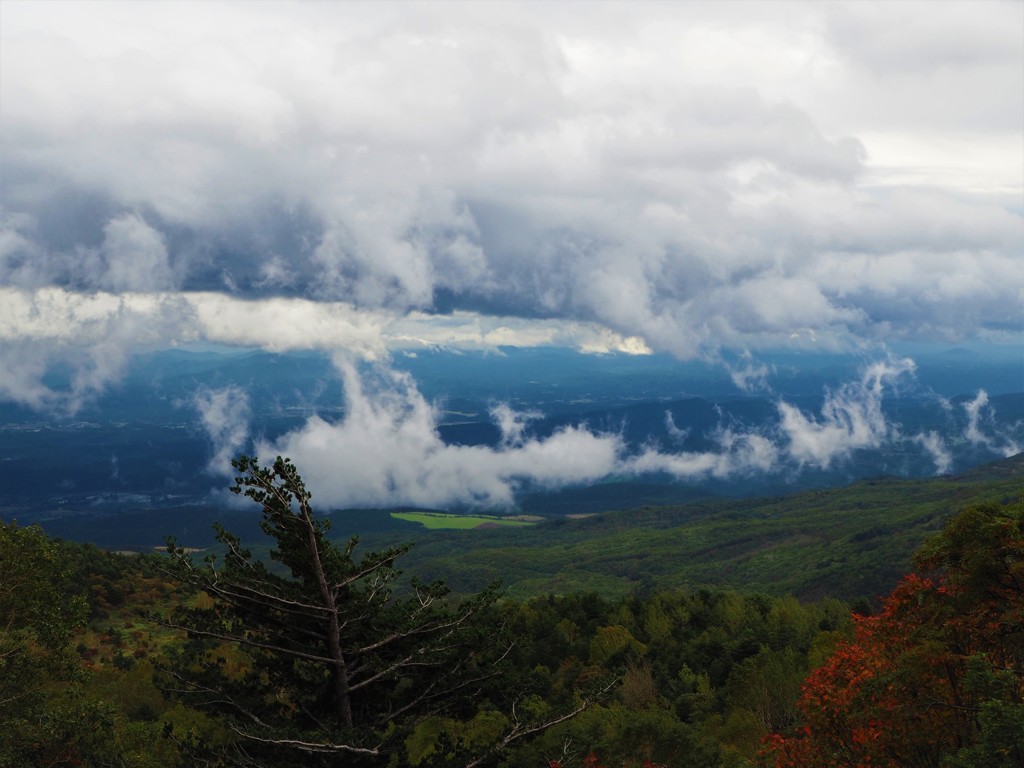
(521,731)
(313,747)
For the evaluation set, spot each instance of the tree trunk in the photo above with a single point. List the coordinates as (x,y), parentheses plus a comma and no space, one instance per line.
(343,699)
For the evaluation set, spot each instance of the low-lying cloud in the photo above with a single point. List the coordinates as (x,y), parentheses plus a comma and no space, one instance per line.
(933,443)
(736,454)
(981,430)
(225,417)
(94,334)
(851,418)
(386,449)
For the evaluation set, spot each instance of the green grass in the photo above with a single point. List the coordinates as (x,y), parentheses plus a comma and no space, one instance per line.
(440,521)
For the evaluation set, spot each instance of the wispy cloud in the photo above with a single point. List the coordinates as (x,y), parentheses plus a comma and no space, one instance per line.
(851,418)
(90,335)
(225,416)
(512,424)
(935,445)
(736,454)
(674,432)
(747,374)
(980,420)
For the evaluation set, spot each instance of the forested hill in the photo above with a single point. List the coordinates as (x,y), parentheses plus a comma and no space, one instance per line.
(330,658)
(847,542)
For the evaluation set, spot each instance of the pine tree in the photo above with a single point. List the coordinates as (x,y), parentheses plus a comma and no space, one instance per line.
(323,659)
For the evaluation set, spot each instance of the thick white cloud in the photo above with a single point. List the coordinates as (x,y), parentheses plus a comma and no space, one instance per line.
(620,168)
(683,177)
(386,451)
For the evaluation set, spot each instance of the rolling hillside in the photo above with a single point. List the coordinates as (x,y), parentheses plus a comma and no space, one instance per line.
(846,542)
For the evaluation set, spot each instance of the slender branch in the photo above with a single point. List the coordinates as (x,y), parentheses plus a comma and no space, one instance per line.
(429,627)
(244,641)
(258,596)
(520,731)
(313,747)
(387,562)
(194,689)
(429,694)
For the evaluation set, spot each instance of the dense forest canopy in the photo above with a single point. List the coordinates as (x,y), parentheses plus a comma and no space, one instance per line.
(322,656)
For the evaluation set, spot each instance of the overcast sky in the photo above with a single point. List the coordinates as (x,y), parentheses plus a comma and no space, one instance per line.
(681,177)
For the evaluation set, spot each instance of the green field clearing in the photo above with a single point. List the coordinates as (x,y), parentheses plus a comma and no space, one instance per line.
(439,520)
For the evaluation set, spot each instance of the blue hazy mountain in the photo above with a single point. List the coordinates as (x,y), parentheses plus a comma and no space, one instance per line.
(142,444)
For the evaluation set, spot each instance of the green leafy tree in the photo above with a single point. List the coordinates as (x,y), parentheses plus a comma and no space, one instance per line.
(47,716)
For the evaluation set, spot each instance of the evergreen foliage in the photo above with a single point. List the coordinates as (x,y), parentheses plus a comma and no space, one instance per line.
(248,666)
(322,659)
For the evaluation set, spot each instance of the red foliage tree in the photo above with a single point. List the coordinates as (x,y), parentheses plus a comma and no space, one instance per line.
(908,690)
